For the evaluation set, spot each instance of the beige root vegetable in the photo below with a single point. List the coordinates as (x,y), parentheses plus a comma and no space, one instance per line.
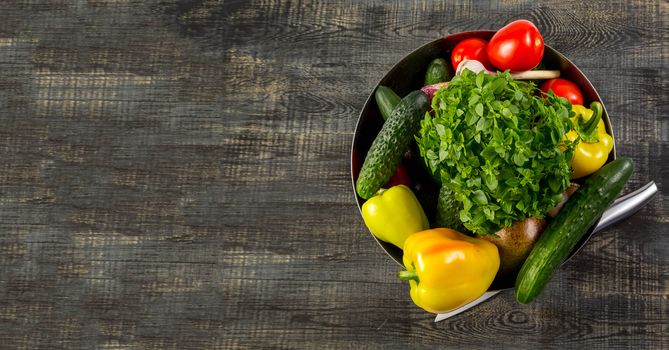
(516,241)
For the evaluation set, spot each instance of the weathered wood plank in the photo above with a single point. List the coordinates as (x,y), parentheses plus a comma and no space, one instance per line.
(175,174)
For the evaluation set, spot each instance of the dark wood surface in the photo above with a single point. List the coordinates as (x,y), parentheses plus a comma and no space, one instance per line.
(175,175)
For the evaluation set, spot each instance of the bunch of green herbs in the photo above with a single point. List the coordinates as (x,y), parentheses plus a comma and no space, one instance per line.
(499,147)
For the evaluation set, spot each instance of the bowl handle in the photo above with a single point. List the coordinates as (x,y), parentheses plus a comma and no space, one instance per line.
(626,205)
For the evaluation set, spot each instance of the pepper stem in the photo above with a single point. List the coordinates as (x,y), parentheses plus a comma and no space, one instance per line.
(587,129)
(406,275)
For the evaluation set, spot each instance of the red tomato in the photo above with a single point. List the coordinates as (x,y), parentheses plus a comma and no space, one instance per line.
(518,46)
(564,88)
(400,177)
(471,49)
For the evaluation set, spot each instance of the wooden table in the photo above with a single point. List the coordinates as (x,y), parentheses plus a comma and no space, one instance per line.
(175,175)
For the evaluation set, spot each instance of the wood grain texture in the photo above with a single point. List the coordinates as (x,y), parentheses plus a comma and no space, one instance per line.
(175,175)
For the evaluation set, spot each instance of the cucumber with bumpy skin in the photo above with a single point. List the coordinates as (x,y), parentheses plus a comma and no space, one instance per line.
(563,233)
(448,211)
(386,99)
(438,71)
(390,144)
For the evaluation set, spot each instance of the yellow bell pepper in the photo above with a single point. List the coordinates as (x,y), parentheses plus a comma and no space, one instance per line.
(447,269)
(394,214)
(594,145)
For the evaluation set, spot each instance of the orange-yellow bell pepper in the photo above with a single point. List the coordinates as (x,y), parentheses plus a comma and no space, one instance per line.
(447,269)
(594,145)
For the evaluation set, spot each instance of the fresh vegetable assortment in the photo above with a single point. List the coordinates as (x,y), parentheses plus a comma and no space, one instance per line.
(503,152)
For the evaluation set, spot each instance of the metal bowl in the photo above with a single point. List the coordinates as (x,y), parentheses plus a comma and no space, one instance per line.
(406,76)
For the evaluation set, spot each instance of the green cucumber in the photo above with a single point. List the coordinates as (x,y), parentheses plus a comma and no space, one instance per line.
(390,144)
(386,99)
(438,71)
(448,211)
(580,212)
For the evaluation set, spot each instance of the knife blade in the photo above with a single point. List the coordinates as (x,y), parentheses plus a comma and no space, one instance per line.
(621,209)
(482,298)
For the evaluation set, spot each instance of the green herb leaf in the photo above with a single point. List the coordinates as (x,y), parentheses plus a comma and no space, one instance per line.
(498,146)
(479,109)
(479,79)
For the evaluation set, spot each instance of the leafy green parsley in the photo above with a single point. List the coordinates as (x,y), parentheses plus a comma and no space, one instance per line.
(498,147)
